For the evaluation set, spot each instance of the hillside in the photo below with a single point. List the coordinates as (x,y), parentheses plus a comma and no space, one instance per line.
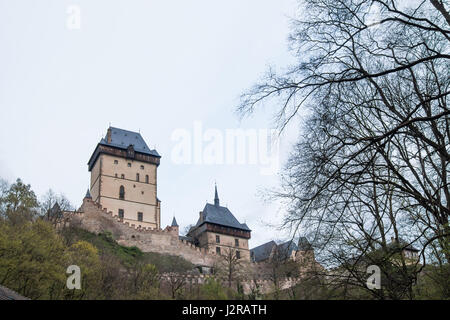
(127,256)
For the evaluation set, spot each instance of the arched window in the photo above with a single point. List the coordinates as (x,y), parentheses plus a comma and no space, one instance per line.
(137,177)
(146,178)
(122,193)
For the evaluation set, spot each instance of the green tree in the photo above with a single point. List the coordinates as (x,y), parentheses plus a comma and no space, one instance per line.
(212,290)
(144,278)
(31,259)
(84,255)
(20,203)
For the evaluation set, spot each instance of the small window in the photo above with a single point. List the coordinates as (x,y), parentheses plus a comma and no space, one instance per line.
(122,193)
(146,178)
(116,161)
(129,164)
(122,176)
(121,213)
(236,242)
(142,192)
(218,250)
(137,177)
(142,167)
(140,216)
(238,254)
(116,175)
(217,239)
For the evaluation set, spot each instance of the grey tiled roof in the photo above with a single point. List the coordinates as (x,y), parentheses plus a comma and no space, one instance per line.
(174,222)
(284,250)
(222,216)
(8,294)
(304,245)
(402,244)
(262,252)
(186,238)
(121,138)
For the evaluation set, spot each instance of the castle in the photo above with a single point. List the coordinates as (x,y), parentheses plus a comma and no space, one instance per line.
(122,199)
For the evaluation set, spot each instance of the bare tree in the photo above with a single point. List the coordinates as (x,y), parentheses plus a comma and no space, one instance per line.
(372,161)
(53,205)
(176,283)
(230,265)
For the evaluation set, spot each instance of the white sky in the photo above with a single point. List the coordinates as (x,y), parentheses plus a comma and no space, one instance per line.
(153,66)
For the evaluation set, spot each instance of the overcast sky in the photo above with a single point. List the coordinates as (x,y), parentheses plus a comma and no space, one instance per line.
(153,66)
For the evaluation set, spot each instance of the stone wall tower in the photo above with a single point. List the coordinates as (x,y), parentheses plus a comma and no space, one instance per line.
(124,178)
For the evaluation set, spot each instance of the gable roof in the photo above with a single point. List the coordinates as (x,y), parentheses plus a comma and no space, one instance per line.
(284,249)
(401,243)
(262,252)
(222,216)
(121,138)
(304,245)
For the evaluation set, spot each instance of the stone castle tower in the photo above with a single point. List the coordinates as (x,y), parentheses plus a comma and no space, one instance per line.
(124,178)
(218,231)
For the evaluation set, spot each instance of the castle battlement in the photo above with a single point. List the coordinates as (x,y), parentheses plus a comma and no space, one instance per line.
(97,219)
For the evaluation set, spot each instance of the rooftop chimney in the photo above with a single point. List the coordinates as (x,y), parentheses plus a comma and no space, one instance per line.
(108,135)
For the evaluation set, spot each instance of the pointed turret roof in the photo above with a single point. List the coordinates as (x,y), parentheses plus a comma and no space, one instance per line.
(174,222)
(88,194)
(216,197)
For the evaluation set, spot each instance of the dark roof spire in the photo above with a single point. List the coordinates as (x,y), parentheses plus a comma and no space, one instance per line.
(88,194)
(174,222)
(216,197)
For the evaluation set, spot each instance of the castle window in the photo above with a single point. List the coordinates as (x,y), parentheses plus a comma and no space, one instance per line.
(116,162)
(236,242)
(146,178)
(142,167)
(140,216)
(238,254)
(217,239)
(116,175)
(137,177)
(121,213)
(122,176)
(122,193)
(218,250)
(129,164)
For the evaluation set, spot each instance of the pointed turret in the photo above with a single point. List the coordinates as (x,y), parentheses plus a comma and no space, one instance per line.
(88,194)
(174,222)
(216,198)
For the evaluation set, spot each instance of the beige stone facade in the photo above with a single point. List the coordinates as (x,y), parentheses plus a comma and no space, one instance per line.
(212,240)
(218,231)
(124,179)
(138,180)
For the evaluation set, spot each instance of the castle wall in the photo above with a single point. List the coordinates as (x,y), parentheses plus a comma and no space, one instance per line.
(259,284)
(94,218)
